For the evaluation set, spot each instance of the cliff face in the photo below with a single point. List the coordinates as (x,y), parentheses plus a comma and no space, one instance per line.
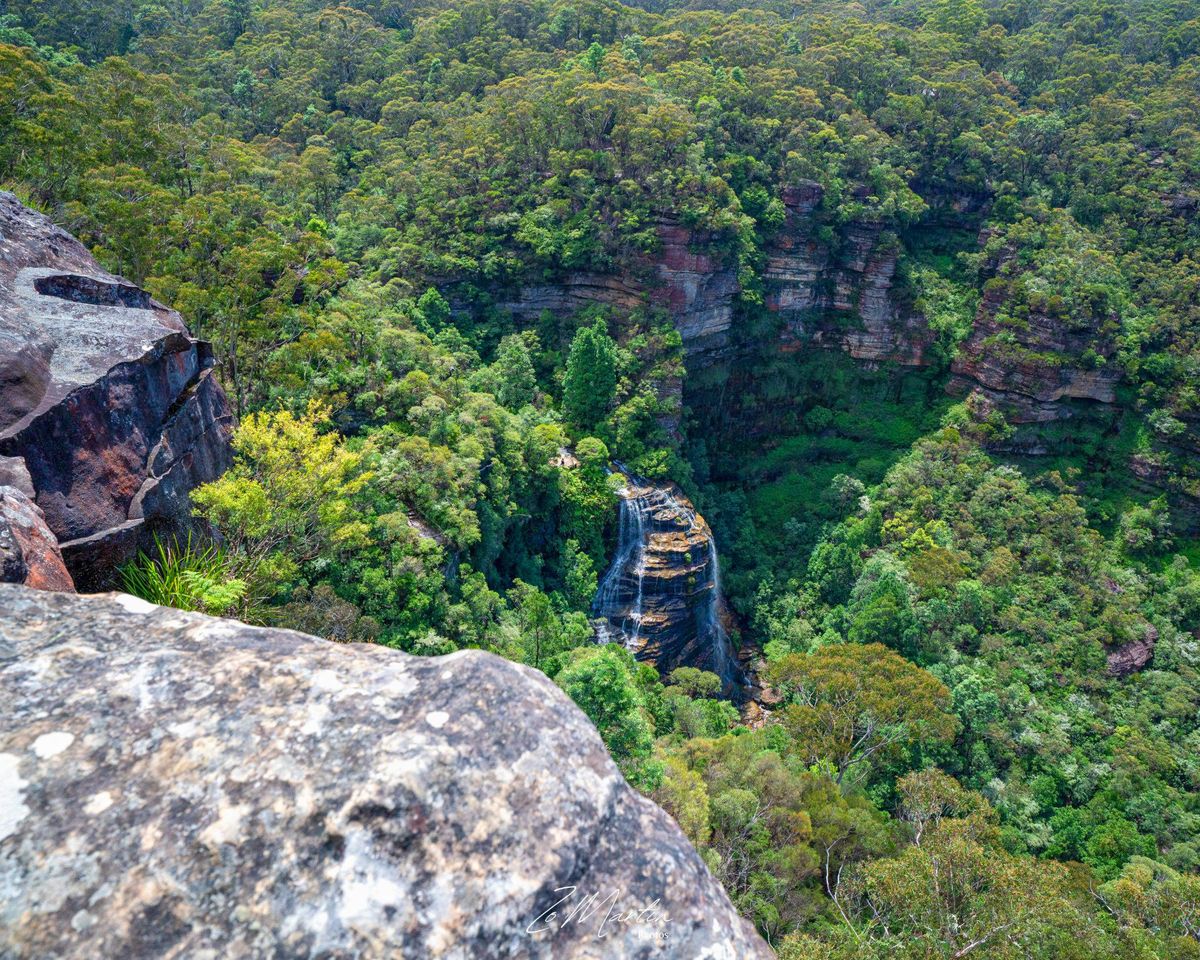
(176,785)
(107,403)
(661,595)
(1034,370)
(695,285)
(806,283)
(840,299)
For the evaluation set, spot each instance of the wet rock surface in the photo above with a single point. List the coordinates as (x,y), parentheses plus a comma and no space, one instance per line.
(107,405)
(661,595)
(177,785)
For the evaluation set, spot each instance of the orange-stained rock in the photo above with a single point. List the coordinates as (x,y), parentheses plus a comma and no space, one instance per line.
(29,552)
(661,595)
(109,403)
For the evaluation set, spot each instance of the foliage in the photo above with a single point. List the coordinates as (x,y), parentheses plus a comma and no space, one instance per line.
(350,203)
(1003,592)
(186,576)
(590,380)
(856,703)
(601,681)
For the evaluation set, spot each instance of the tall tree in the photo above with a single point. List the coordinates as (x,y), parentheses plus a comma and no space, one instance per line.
(854,703)
(590,383)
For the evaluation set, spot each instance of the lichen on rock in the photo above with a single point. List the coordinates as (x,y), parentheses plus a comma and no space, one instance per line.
(177,785)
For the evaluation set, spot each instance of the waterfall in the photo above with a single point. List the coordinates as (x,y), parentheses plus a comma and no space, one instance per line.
(631,556)
(661,594)
(722,649)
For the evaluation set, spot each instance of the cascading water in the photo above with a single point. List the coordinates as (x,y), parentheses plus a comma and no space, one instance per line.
(661,595)
(726,664)
(631,556)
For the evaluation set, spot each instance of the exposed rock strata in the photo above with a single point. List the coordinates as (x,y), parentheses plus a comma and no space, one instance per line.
(1034,371)
(661,595)
(695,285)
(842,300)
(111,406)
(177,785)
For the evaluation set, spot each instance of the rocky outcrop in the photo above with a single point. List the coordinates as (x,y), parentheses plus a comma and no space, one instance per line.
(29,552)
(661,595)
(110,406)
(686,277)
(1133,656)
(176,785)
(1033,371)
(697,286)
(841,298)
(575,291)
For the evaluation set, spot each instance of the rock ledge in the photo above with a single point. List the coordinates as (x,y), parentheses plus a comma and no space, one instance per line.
(175,785)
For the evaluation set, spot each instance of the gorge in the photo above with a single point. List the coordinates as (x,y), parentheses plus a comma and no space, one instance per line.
(735,460)
(207,788)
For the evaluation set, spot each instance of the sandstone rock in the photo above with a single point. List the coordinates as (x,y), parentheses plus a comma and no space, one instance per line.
(1133,656)
(29,552)
(661,595)
(14,473)
(695,285)
(177,785)
(844,302)
(574,291)
(1036,377)
(109,402)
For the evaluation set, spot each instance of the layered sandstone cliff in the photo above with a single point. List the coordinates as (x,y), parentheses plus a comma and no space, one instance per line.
(841,297)
(688,278)
(107,406)
(1034,369)
(177,785)
(661,595)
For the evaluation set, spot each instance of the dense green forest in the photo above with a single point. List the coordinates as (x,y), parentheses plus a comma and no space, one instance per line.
(348,200)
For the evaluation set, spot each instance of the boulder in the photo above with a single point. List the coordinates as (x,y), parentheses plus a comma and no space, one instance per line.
(177,785)
(29,552)
(1133,656)
(109,404)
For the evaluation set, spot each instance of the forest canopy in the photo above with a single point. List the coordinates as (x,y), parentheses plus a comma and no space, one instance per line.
(980,638)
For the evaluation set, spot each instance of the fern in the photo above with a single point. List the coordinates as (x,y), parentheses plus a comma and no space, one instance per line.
(185,577)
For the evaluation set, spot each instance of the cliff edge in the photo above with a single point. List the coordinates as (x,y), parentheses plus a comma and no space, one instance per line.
(177,785)
(109,411)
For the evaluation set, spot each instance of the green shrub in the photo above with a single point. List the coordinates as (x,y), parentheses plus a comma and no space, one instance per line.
(186,577)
